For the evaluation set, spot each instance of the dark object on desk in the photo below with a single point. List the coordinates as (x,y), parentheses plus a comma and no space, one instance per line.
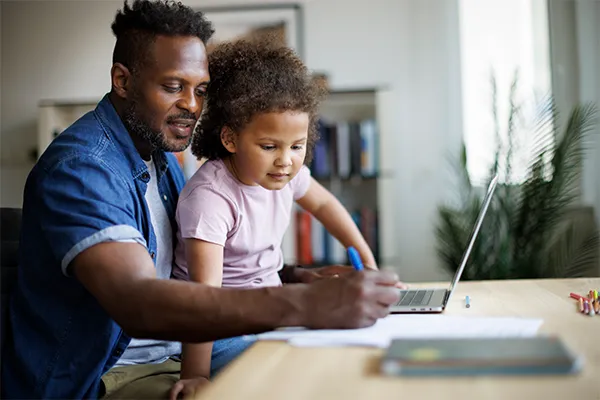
(472,356)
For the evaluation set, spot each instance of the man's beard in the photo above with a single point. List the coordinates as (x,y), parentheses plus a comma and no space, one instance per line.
(136,125)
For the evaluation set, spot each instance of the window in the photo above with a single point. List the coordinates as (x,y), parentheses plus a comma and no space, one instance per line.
(500,38)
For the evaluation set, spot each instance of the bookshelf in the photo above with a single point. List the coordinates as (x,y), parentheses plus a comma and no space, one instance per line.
(349,162)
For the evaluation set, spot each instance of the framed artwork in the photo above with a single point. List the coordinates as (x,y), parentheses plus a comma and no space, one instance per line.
(282,21)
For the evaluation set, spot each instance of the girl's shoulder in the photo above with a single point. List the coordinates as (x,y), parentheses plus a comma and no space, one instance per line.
(210,177)
(300,183)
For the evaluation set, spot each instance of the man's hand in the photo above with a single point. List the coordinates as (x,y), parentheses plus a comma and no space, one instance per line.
(188,388)
(354,300)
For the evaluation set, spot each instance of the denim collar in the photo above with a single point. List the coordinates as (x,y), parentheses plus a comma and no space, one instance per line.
(118,134)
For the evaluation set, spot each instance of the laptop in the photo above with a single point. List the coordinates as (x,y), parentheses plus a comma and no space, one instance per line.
(435,300)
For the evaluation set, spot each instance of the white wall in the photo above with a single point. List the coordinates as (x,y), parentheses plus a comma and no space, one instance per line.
(575,50)
(50,50)
(62,49)
(588,34)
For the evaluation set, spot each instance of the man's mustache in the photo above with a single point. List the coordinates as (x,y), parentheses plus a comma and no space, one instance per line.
(184,115)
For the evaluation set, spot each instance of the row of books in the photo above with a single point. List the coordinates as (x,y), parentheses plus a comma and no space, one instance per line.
(313,245)
(347,148)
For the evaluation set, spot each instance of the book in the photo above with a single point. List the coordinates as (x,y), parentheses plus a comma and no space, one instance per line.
(317,237)
(484,356)
(304,253)
(345,149)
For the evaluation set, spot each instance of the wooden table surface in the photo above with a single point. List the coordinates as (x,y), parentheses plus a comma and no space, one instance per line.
(275,370)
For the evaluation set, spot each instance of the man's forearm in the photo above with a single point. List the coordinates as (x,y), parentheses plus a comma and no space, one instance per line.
(122,277)
(192,312)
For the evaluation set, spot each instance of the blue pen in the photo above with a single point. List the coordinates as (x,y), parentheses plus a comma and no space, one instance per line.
(467,302)
(355,259)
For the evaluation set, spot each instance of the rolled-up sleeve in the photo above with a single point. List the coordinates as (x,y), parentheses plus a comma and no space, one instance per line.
(83,201)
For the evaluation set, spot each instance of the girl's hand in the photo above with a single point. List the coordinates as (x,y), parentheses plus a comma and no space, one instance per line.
(187,388)
(330,271)
(310,275)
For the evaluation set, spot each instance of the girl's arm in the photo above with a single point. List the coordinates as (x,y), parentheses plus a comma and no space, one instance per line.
(205,265)
(331,213)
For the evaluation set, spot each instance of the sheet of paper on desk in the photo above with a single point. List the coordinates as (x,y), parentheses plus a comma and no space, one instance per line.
(409,326)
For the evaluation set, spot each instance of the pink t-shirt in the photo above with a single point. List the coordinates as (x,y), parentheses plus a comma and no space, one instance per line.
(248,221)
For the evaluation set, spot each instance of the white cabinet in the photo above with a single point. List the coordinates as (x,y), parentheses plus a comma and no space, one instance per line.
(55,116)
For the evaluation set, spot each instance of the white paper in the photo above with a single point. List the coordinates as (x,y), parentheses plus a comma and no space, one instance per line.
(409,326)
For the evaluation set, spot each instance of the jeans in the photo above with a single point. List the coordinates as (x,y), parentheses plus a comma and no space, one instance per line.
(226,350)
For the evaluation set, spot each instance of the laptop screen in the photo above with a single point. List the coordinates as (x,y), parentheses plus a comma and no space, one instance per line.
(486,202)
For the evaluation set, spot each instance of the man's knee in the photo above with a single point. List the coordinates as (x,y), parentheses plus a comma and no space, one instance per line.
(150,387)
(145,381)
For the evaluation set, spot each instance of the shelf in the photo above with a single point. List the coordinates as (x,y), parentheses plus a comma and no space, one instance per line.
(353,178)
(16,164)
(68,103)
(356,90)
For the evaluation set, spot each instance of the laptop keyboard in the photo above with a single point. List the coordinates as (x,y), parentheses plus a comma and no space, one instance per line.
(415,298)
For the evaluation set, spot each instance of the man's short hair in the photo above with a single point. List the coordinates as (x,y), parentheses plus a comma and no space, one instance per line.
(137,26)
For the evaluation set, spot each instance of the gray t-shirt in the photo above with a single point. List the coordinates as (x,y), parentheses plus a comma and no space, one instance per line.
(149,351)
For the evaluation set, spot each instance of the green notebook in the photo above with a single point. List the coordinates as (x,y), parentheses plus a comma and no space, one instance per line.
(473,356)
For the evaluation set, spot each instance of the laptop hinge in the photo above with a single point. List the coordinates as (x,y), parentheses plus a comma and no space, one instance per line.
(446,296)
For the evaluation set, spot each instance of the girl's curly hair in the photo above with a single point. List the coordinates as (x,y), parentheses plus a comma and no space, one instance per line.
(249,78)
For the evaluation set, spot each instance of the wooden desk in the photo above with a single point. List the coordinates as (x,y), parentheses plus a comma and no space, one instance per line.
(275,370)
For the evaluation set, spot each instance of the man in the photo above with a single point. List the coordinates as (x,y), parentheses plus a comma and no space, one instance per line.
(97,237)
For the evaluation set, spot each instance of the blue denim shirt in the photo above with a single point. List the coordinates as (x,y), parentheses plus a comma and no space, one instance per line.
(87,188)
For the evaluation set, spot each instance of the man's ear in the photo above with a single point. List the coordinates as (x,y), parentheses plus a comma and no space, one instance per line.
(228,139)
(120,79)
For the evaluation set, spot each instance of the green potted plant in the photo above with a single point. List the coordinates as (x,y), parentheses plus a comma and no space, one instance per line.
(533,228)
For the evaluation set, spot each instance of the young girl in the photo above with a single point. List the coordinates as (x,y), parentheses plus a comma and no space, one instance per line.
(257,132)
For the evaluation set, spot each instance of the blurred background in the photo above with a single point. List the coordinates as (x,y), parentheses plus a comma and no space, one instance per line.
(428,99)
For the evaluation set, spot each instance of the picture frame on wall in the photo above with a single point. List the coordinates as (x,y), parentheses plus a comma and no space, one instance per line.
(254,21)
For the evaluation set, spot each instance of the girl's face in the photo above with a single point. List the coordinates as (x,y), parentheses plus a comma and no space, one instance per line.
(270,150)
